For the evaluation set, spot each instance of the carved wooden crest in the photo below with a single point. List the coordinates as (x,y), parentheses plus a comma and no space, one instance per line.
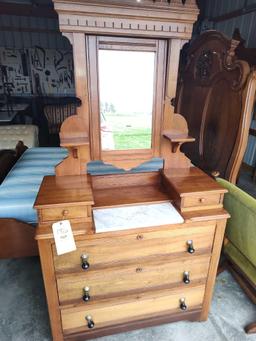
(204,65)
(159,18)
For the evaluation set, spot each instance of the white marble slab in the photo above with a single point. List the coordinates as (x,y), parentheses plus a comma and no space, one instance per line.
(135,216)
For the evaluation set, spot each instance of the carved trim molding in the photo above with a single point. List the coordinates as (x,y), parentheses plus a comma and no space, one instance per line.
(160,19)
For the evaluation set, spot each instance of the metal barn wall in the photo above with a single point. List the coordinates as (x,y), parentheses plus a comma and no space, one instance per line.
(246,23)
(25,32)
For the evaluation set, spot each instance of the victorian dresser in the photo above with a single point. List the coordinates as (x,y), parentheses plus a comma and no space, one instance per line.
(147,242)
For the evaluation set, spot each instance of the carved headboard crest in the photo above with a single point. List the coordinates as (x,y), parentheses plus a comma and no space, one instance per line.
(204,65)
(209,57)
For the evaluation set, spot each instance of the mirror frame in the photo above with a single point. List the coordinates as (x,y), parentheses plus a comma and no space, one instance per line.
(93,45)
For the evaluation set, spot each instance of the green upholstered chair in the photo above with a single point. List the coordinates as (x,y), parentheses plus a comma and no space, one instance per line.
(240,243)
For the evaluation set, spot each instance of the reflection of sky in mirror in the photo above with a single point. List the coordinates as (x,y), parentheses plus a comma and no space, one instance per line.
(126,80)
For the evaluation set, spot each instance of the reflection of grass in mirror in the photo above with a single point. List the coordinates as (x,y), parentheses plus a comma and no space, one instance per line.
(133,139)
(119,121)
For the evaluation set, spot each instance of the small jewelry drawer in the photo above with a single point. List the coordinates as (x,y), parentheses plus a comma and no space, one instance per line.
(62,213)
(137,277)
(119,248)
(208,201)
(131,308)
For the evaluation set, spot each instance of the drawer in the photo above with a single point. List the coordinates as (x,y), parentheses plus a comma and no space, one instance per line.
(140,276)
(108,251)
(115,311)
(59,213)
(202,201)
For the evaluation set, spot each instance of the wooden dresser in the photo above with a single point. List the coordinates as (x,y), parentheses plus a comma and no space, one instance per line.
(123,280)
(142,276)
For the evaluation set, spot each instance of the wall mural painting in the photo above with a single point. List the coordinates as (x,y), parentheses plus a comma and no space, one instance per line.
(52,71)
(36,71)
(14,75)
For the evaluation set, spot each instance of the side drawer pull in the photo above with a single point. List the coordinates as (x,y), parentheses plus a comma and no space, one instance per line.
(190,246)
(186,278)
(90,322)
(183,305)
(65,213)
(85,264)
(86,296)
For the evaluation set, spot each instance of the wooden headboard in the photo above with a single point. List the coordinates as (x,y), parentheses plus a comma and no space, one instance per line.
(215,94)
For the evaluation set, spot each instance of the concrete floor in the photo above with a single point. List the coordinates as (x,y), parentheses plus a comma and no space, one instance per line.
(24,317)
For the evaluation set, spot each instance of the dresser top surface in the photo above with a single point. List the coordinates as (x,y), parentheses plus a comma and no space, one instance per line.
(136,188)
(70,190)
(192,181)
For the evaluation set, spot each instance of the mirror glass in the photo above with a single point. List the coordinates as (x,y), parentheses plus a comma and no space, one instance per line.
(126,88)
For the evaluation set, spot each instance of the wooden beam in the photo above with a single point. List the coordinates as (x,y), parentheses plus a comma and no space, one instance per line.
(46,11)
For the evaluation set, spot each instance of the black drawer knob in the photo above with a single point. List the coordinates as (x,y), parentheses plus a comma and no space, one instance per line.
(90,322)
(186,278)
(190,246)
(183,305)
(86,296)
(85,264)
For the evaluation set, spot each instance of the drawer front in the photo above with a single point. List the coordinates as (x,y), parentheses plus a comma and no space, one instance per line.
(105,252)
(205,201)
(140,306)
(60,213)
(141,276)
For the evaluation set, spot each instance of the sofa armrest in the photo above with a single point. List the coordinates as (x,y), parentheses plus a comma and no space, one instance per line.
(241,228)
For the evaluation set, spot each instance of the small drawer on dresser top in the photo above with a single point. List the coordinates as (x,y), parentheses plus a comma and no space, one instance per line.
(111,249)
(203,201)
(61,213)
(128,279)
(134,307)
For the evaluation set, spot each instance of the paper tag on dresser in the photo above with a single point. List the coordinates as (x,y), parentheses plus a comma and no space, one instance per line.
(63,235)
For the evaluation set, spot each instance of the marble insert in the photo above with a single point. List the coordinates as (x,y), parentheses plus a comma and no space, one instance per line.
(135,216)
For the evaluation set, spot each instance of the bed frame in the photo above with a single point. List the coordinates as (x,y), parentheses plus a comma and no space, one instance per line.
(216,92)
(16,237)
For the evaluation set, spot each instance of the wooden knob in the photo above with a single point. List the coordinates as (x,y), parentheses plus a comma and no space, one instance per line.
(190,248)
(65,213)
(215,174)
(139,270)
(86,296)
(139,237)
(85,264)
(183,305)
(186,278)
(90,322)
(202,200)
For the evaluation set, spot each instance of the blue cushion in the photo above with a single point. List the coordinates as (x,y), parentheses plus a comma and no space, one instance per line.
(19,189)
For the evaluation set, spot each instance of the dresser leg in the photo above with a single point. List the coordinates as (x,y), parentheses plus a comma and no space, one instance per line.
(216,250)
(45,251)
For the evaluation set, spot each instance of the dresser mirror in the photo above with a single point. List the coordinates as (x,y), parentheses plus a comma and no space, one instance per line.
(126,89)
(126,93)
